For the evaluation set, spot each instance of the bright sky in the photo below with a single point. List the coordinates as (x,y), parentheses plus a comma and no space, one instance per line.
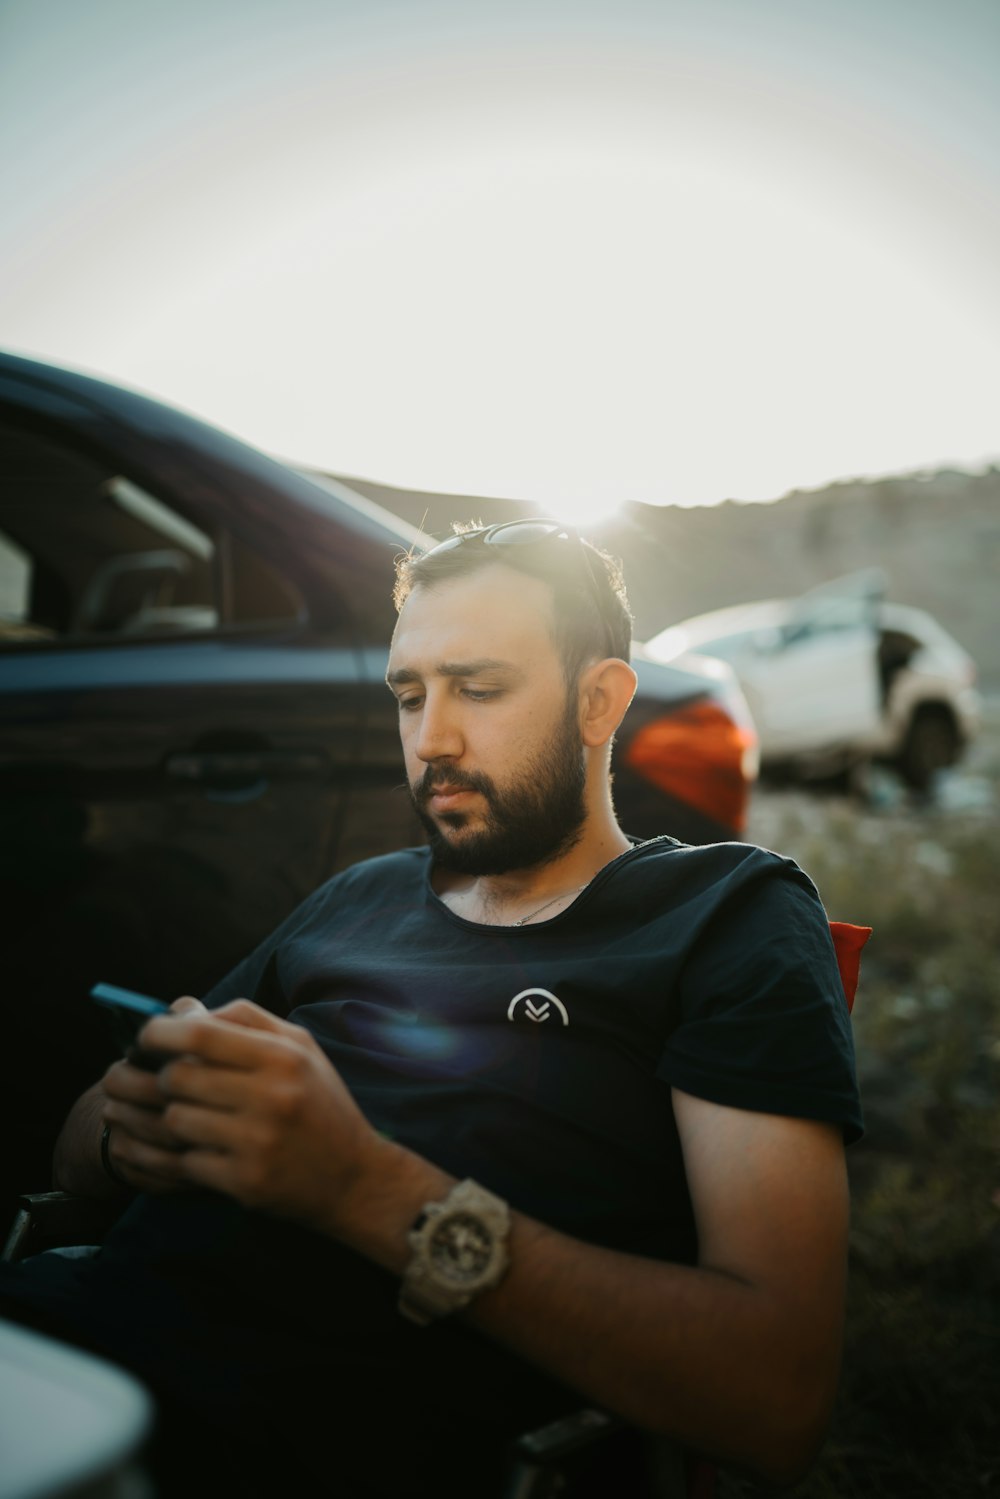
(563,251)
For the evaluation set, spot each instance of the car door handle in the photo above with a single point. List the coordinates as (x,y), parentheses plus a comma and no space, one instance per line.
(215,767)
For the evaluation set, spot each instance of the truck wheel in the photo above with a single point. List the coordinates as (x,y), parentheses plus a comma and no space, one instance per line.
(932,743)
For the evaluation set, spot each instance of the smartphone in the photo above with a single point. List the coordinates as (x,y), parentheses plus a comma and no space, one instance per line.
(127,1013)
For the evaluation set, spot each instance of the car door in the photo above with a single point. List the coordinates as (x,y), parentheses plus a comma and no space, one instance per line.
(179,751)
(813,682)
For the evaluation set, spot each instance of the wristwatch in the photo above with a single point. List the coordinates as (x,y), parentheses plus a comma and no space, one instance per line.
(459,1249)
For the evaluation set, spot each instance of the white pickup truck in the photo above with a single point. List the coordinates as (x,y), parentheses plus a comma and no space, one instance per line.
(839,677)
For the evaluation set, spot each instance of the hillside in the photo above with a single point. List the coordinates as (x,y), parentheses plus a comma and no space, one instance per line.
(937,536)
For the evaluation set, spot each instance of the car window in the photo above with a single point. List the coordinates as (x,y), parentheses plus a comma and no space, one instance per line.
(831,616)
(88,554)
(15,591)
(255,593)
(726,647)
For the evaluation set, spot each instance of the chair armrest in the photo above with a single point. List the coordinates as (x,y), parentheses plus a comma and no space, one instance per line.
(538,1459)
(51,1220)
(552,1443)
(591,1453)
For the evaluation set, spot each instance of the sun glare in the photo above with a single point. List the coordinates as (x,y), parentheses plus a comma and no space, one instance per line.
(633,289)
(583,333)
(584,511)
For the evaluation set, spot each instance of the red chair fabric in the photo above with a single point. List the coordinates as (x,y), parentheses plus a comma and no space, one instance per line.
(848,940)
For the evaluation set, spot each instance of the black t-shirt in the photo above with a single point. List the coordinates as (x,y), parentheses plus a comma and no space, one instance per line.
(538,1060)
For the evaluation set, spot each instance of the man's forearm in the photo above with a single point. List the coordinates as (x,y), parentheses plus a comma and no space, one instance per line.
(682,1350)
(686,1351)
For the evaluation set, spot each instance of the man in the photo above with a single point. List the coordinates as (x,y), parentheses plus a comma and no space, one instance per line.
(577,1105)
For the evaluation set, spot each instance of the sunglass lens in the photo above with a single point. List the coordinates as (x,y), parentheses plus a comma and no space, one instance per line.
(517,533)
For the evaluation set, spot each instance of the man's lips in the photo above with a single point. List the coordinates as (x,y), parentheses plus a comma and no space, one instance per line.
(443,798)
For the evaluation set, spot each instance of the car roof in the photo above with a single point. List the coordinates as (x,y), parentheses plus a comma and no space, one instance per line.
(700,629)
(159,423)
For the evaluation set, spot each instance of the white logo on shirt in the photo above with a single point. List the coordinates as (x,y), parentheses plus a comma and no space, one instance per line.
(536,1012)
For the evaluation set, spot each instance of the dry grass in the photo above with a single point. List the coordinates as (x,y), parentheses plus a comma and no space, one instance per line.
(917,1414)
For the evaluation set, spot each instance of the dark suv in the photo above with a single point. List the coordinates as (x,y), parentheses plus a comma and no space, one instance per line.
(194,727)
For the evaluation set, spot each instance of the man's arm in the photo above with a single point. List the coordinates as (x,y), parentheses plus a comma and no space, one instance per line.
(737,1357)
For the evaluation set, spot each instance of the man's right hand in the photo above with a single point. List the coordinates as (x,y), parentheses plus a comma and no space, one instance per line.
(139,1107)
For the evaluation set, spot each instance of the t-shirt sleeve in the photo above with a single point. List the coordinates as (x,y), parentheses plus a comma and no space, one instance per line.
(763,1020)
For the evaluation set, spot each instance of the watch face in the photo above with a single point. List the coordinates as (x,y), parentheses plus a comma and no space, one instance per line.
(461,1247)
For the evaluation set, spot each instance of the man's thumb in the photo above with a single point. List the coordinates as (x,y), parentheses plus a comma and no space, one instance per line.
(186,1004)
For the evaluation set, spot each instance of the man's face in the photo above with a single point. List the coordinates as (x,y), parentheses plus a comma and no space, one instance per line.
(491,738)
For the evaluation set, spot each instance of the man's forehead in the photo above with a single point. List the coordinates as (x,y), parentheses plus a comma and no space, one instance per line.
(495,614)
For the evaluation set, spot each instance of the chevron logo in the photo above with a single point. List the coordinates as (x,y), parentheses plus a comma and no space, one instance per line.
(538,1006)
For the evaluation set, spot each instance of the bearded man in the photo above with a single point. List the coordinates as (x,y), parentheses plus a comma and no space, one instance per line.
(535,1114)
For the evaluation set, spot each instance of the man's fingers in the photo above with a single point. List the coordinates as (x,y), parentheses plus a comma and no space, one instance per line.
(240,1034)
(203,1164)
(204,1035)
(149,1160)
(139,1123)
(244,1012)
(207,1128)
(133,1085)
(205,1168)
(189,1079)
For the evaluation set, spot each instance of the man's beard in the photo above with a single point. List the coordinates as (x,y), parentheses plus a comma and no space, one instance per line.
(535,819)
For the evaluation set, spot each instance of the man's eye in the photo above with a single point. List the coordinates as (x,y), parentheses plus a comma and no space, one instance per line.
(481,694)
(408,704)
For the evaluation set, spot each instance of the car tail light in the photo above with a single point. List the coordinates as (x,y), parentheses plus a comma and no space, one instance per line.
(702,756)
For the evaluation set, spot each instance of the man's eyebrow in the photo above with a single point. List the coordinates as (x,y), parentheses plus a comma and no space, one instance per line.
(491,664)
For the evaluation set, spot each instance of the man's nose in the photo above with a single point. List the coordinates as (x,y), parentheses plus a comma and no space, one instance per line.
(439,736)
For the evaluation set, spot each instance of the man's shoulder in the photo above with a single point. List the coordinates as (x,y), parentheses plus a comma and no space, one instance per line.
(664,846)
(708,862)
(664,877)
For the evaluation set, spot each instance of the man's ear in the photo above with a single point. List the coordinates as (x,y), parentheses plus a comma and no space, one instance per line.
(606,689)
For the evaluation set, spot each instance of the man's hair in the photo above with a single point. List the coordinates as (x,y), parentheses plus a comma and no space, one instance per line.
(577,572)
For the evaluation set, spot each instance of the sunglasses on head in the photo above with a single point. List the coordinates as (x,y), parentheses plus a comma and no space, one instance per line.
(524,533)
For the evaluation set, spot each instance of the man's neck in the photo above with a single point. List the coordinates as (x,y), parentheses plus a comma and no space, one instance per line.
(519,895)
